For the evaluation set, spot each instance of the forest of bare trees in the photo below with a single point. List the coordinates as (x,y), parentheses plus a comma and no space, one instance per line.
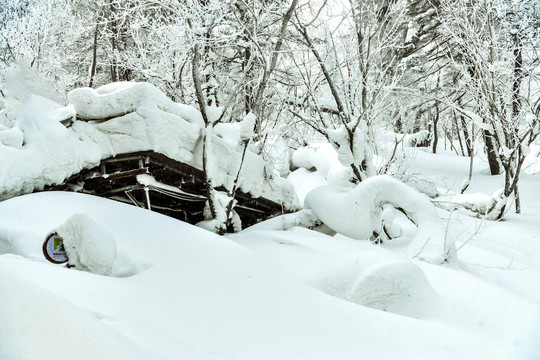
(465,70)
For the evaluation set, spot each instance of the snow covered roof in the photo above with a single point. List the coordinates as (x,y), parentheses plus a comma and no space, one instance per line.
(116,119)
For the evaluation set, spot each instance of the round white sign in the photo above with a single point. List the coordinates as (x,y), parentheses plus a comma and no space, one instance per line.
(53,249)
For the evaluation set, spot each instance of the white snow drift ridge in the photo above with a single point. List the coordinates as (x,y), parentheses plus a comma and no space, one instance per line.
(357,212)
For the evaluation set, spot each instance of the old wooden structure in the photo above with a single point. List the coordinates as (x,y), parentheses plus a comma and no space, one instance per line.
(166,186)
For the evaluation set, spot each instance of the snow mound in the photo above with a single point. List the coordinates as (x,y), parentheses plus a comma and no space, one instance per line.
(200,296)
(89,246)
(420,138)
(323,158)
(11,137)
(359,272)
(170,310)
(356,213)
(121,98)
(317,165)
(482,205)
(49,154)
(395,286)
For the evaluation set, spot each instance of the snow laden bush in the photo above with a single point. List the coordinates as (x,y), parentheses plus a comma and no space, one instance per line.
(353,150)
(89,246)
(218,222)
(481,205)
(358,212)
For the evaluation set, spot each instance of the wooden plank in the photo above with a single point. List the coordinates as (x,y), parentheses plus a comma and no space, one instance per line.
(186,178)
(119,175)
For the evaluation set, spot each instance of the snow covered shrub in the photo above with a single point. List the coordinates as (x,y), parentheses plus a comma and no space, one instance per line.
(88,245)
(418,139)
(358,212)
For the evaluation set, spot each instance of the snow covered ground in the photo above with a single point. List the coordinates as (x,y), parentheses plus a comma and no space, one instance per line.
(176,291)
(145,286)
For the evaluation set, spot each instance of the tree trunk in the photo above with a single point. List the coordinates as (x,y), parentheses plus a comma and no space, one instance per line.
(207,136)
(435,122)
(495,167)
(94,58)
(467,136)
(114,46)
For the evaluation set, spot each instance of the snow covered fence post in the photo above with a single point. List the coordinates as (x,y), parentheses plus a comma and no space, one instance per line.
(356,213)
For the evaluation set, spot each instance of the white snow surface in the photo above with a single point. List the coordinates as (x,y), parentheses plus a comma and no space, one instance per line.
(357,213)
(146,286)
(50,153)
(257,295)
(117,99)
(317,165)
(140,118)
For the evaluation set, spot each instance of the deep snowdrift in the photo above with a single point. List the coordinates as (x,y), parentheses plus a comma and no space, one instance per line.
(182,292)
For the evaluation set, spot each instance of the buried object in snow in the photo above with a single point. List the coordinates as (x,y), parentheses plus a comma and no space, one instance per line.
(54,250)
(356,213)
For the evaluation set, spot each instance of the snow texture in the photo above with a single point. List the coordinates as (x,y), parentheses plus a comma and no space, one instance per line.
(317,165)
(267,295)
(481,205)
(118,99)
(89,246)
(49,154)
(11,137)
(356,213)
(347,154)
(220,201)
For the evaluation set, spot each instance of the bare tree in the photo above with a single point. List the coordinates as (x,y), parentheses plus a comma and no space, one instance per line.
(496,41)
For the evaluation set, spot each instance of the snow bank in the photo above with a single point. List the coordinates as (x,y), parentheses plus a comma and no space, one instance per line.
(49,154)
(364,273)
(356,213)
(38,323)
(89,246)
(359,272)
(198,296)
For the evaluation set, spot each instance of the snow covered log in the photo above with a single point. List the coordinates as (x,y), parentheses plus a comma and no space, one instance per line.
(481,205)
(357,212)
